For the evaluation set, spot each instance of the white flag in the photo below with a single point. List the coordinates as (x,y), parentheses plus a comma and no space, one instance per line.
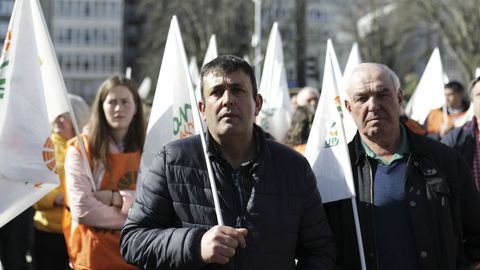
(144,88)
(32,95)
(194,73)
(171,115)
(275,115)
(212,51)
(354,59)
(429,93)
(210,54)
(326,149)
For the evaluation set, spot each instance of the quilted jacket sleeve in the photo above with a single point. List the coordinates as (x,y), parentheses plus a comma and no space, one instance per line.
(149,238)
(316,247)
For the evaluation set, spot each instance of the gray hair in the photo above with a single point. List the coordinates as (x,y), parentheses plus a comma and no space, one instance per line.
(361,68)
(303,94)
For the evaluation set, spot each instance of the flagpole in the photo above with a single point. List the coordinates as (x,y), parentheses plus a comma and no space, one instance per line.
(197,119)
(70,110)
(356,219)
(358,233)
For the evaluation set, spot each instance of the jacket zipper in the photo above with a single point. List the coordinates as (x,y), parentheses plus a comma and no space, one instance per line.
(372,209)
(240,211)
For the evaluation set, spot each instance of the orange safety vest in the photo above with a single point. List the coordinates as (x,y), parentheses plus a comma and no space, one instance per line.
(99,248)
(435,120)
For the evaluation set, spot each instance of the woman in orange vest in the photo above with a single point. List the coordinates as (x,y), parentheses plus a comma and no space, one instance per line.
(113,143)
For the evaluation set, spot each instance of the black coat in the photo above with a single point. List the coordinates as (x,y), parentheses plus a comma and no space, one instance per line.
(174,207)
(442,201)
(462,139)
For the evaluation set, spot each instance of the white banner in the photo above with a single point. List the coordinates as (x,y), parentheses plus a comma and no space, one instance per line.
(275,115)
(31,97)
(326,149)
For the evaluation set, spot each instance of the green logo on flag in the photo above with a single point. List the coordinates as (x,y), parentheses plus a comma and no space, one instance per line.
(182,124)
(331,139)
(3,81)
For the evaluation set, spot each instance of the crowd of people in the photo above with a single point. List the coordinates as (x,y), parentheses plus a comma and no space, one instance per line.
(417,186)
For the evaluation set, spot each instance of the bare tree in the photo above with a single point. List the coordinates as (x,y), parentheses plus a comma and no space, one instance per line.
(457,24)
(230,20)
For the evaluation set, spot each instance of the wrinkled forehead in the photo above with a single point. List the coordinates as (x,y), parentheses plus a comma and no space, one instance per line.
(372,77)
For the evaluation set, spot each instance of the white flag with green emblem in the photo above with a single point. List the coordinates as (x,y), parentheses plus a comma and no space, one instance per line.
(30,99)
(171,115)
(275,115)
(326,149)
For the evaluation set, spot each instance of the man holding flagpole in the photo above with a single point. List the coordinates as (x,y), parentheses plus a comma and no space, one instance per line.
(271,208)
(417,202)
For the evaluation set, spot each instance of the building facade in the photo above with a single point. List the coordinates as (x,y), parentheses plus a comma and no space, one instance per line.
(88,40)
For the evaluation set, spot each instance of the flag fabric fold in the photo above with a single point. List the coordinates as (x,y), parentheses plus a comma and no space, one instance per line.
(171,115)
(326,149)
(32,95)
(275,115)
(354,59)
(429,92)
(210,54)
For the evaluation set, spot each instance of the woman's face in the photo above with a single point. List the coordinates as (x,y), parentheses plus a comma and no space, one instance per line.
(119,108)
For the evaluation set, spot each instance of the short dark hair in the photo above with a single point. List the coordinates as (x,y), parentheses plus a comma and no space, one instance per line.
(472,84)
(455,86)
(226,64)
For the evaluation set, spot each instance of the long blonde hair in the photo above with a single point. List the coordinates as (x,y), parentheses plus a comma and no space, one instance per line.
(99,129)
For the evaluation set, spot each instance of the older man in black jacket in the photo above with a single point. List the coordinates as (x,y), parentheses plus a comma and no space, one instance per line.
(417,202)
(269,201)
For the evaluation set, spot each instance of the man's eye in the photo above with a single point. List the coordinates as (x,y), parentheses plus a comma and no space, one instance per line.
(361,99)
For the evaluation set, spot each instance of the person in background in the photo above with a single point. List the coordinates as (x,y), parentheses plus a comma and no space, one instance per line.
(293,103)
(16,242)
(297,135)
(466,139)
(50,251)
(114,141)
(416,200)
(456,107)
(271,207)
(308,96)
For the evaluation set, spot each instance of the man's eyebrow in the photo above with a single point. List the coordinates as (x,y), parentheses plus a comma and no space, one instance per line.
(234,84)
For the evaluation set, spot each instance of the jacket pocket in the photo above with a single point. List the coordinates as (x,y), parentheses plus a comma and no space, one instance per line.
(437,189)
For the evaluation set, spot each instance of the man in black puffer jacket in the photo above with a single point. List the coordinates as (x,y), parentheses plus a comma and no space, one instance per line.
(269,201)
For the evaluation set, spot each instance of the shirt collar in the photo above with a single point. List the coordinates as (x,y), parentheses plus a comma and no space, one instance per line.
(402,149)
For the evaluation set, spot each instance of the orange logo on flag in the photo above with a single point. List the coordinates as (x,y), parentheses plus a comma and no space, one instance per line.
(8,39)
(48,155)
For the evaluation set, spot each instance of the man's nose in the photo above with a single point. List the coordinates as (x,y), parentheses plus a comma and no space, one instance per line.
(372,104)
(227,98)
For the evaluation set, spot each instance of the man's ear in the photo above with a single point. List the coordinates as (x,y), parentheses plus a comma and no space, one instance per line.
(258,104)
(201,108)
(348,105)
(400,96)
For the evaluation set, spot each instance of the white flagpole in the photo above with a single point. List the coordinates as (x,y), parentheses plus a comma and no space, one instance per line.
(356,219)
(211,178)
(46,37)
(197,120)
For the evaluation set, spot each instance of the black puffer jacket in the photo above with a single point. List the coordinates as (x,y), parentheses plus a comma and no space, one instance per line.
(442,201)
(174,207)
